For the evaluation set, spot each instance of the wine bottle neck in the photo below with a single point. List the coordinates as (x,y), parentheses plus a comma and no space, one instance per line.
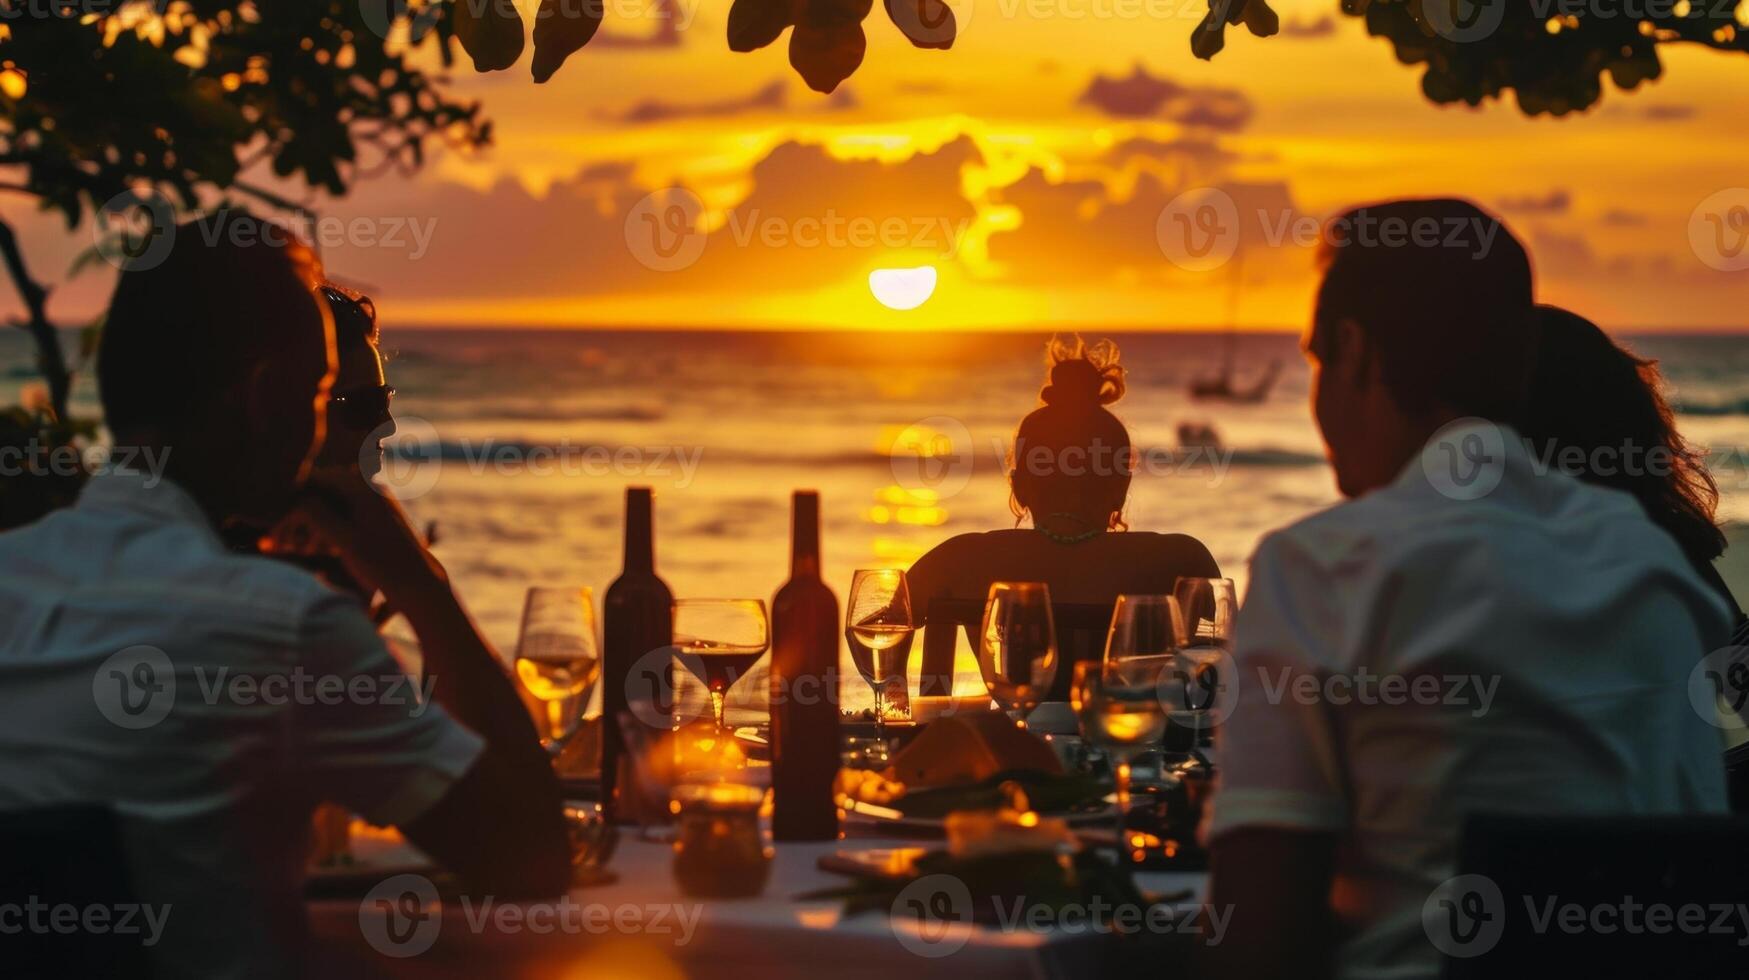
(640,551)
(804,559)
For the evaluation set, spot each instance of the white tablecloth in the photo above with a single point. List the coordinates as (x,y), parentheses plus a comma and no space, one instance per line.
(642,926)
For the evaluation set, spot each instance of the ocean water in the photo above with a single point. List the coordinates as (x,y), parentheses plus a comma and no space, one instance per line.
(529,439)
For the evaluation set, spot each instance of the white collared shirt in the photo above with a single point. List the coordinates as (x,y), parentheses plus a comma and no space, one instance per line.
(212,700)
(1477,636)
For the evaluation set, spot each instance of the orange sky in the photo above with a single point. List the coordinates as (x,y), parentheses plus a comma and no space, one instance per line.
(1037,206)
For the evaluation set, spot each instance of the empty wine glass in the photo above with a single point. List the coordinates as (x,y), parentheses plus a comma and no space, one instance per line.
(720,640)
(1018,650)
(558,659)
(878,626)
(1119,709)
(1209,607)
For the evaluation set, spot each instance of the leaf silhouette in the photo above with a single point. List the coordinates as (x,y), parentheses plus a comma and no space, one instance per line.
(490,32)
(755,23)
(561,29)
(825,56)
(927,23)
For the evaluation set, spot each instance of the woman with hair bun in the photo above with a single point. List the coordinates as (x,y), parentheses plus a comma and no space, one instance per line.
(1069,476)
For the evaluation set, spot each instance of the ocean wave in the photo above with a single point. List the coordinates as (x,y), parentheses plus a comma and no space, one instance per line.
(1734,406)
(489,449)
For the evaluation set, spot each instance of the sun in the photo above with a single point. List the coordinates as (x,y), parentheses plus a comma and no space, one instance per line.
(903,289)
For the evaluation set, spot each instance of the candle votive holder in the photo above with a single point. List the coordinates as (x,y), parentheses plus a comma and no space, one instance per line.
(720,850)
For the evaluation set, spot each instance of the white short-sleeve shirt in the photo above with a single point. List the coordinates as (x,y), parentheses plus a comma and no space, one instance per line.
(1437,648)
(212,700)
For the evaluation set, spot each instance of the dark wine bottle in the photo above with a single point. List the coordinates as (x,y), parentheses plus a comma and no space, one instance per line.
(639,613)
(804,689)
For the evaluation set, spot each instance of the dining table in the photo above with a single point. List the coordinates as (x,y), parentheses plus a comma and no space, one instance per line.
(639,924)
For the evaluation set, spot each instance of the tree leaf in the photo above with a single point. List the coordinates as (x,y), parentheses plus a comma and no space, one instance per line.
(490,32)
(825,56)
(755,23)
(561,29)
(1259,19)
(927,23)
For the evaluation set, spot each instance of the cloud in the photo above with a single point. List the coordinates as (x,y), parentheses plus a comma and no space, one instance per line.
(1555,202)
(1324,26)
(773,95)
(1621,218)
(1667,112)
(768,96)
(1146,96)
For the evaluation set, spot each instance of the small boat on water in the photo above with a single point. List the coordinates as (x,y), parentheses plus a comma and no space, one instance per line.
(1222,387)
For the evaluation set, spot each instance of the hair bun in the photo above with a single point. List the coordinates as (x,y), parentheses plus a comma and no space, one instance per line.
(1082,377)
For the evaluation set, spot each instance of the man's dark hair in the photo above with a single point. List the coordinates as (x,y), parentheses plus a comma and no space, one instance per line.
(230,293)
(1442,291)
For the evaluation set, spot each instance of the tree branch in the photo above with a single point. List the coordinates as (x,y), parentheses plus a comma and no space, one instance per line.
(36,301)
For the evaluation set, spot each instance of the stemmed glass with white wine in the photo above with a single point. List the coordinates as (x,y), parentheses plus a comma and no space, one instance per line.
(558,659)
(1017,652)
(878,627)
(1118,705)
(720,640)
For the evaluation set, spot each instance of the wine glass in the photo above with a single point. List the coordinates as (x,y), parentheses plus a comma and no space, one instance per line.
(1146,634)
(720,640)
(558,659)
(878,626)
(1119,709)
(1209,607)
(1018,652)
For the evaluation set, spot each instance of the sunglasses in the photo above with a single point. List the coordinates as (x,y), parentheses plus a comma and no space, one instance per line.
(363,408)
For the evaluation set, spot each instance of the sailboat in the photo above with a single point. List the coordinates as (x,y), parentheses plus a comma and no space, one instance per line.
(1224,387)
